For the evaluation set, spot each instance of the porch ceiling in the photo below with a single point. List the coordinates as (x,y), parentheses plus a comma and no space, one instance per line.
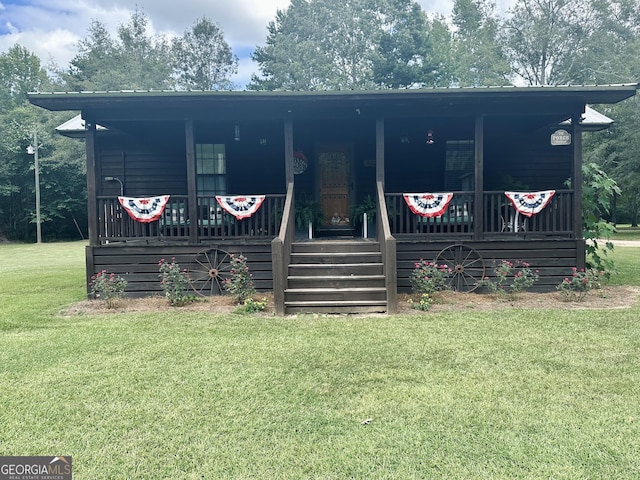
(106,107)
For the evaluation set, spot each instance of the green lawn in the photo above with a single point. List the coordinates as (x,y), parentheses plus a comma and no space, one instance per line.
(627,232)
(508,394)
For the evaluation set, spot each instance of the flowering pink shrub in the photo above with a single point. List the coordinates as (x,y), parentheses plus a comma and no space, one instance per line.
(240,283)
(429,277)
(576,287)
(175,282)
(108,286)
(510,278)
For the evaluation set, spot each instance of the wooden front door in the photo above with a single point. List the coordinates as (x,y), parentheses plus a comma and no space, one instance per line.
(334,162)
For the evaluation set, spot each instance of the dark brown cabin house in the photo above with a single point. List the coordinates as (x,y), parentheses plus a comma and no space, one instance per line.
(338,154)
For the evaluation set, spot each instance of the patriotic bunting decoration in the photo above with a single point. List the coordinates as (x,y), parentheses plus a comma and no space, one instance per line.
(530,203)
(240,206)
(144,210)
(428,204)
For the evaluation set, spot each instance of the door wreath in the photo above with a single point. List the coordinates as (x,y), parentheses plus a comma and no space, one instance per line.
(300,162)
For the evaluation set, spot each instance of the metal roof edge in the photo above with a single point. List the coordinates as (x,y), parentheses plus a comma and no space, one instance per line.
(341,92)
(593,94)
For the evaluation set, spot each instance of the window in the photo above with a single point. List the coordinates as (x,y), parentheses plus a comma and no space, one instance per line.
(460,162)
(211,169)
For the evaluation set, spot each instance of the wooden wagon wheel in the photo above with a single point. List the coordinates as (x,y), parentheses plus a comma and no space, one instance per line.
(208,271)
(466,265)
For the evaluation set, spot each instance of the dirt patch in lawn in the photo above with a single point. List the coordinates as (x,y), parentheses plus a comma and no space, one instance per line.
(605,298)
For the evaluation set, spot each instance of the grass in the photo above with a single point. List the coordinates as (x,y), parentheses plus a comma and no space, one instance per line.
(512,393)
(627,232)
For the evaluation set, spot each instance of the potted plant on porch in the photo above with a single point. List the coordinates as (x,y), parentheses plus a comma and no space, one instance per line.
(308,215)
(368,207)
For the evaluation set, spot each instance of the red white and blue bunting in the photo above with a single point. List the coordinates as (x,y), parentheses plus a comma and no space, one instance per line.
(428,204)
(530,203)
(144,210)
(240,206)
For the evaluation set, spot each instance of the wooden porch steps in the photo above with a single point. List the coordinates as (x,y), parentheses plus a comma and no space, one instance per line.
(336,276)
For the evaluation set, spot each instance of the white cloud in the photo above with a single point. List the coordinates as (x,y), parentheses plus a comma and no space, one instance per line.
(11,28)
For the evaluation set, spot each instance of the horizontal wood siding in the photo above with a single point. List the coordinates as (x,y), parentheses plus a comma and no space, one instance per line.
(138,265)
(553,259)
(143,173)
(524,160)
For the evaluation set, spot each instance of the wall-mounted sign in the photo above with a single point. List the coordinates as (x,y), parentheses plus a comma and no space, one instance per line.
(561,137)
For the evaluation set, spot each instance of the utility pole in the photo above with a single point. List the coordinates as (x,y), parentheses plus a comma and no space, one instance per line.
(33,150)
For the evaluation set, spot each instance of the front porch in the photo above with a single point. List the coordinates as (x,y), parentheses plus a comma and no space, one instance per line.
(336,149)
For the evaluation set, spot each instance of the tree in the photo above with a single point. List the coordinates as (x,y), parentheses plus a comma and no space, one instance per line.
(316,45)
(62,179)
(617,152)
(478,59)
(135,60)
(20,72)
(613,58)
(406,51)
(545,39)
(612,49)
(598,190)
(346,44)
(94,67)
(203,59)
(146,59)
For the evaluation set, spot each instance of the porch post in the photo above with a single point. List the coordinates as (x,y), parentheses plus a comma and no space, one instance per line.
(478,202)
(577,174)
(92,189)
(288,151)
(380,151)
(191,180)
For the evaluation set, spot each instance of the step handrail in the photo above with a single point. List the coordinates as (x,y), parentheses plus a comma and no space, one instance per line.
(281,251)
(388,249)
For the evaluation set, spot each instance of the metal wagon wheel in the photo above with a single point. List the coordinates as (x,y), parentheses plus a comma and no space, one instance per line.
(466,265)
(208,270)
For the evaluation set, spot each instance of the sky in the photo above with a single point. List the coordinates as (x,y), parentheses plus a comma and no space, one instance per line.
(51,29)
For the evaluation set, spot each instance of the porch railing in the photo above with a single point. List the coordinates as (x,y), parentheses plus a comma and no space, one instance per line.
(458,219)
(115,225)
(388,249)
(281,251)
(499,217)
(556,219)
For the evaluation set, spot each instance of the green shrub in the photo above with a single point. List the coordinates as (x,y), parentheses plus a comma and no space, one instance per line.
(423,304)
(252,306)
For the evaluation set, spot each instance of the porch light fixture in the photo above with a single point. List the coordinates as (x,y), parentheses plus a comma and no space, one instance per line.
(116,179)
(236,136)
(430,140)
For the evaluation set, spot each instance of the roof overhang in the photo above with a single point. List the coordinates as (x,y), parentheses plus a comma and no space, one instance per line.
(592,121)
(228,105)
(75,127)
